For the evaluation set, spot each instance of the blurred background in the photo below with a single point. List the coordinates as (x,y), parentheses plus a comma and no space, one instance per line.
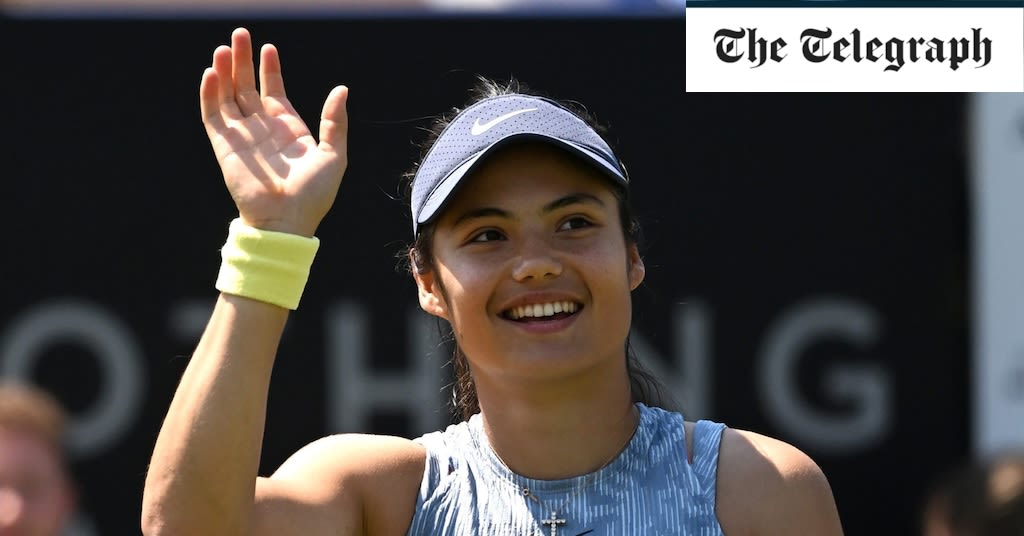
(841,271)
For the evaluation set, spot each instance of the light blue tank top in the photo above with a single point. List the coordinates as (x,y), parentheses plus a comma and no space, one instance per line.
(649,489)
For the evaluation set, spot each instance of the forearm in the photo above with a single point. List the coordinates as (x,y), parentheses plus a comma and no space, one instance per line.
(203,472)
(203,475)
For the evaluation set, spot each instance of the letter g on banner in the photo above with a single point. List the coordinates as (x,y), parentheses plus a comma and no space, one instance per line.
(865,387)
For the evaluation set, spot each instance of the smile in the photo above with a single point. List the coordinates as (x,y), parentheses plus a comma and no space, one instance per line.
(542,310)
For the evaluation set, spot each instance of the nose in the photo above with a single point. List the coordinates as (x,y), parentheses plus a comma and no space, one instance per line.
(537,261)
(12,507)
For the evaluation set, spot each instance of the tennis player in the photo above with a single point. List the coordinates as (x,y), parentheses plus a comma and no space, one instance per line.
(523,240)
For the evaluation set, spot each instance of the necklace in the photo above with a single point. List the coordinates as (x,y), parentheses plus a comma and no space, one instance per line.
(554,521)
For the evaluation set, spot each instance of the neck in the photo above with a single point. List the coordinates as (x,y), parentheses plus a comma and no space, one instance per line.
(554,429)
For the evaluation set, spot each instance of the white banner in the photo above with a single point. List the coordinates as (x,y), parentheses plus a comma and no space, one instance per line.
(997,162)
(854,49)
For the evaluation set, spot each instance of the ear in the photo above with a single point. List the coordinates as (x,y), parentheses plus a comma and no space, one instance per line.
(635,266)
(431,298)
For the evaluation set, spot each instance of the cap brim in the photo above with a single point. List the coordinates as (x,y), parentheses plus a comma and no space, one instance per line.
(448,185)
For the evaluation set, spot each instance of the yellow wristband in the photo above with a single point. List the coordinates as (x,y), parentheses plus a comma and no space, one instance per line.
(268,266)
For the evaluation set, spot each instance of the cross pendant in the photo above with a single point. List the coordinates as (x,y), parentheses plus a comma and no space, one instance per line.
(553,522)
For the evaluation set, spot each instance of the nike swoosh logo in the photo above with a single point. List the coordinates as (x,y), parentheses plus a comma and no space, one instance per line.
(585,532)
(479,128)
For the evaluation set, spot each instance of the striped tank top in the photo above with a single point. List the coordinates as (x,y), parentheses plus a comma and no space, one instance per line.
(649,489)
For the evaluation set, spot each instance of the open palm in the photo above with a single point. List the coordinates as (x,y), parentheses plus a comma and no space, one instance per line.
(280,177)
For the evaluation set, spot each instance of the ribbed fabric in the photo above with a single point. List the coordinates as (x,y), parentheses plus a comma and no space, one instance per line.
(650,488)
(268,266)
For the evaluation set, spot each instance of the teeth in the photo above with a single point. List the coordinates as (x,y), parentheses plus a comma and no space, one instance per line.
(542,309)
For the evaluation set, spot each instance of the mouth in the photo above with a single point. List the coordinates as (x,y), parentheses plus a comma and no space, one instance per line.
(539,312)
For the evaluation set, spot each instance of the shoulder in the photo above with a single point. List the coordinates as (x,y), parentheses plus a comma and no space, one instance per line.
(378,476)
(355,455)
(767,487)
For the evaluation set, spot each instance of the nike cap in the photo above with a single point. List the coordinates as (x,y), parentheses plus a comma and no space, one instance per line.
(495,122)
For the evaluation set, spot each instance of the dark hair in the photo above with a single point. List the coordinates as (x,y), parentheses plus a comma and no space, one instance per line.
(419,256)
(981,498)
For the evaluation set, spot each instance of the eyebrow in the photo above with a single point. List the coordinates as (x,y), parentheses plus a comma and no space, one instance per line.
(572,199)
(568,200)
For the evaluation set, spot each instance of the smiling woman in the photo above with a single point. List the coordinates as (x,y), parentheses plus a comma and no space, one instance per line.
(525,244)
(580,142)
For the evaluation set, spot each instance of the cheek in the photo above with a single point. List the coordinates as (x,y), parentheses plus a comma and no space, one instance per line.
(46,506)
(608,275)
(607,261)
(466,290)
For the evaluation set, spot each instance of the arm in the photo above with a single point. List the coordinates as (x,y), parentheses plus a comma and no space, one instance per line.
(321,479)
(767,487)
(203,474)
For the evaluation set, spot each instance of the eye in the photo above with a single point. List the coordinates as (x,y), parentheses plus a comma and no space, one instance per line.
(490,235)
(575,222)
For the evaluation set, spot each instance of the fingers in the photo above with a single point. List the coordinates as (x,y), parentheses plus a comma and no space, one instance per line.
(271,80)
(209,97)
(334,121)
(243,74)
(225,88)
(233,80)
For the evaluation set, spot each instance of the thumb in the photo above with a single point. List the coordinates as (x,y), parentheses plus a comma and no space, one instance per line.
(334,121)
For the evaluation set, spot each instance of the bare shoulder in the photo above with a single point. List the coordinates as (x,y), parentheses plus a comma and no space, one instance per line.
(354,455)
(767,487)
(354,483)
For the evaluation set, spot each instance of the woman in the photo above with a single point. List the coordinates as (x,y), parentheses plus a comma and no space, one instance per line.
(525,246)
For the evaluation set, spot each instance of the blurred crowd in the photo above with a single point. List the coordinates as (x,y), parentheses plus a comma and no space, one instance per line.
(984,498)
(37,493)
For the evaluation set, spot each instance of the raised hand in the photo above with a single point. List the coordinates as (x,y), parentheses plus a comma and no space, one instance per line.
(280,177)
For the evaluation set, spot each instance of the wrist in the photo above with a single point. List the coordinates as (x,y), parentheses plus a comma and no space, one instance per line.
(266,265)
(279,226)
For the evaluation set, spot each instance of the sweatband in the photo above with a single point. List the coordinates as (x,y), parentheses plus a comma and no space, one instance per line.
(268,266)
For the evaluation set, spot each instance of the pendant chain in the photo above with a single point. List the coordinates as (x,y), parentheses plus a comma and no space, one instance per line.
(553,522)
(587,481)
